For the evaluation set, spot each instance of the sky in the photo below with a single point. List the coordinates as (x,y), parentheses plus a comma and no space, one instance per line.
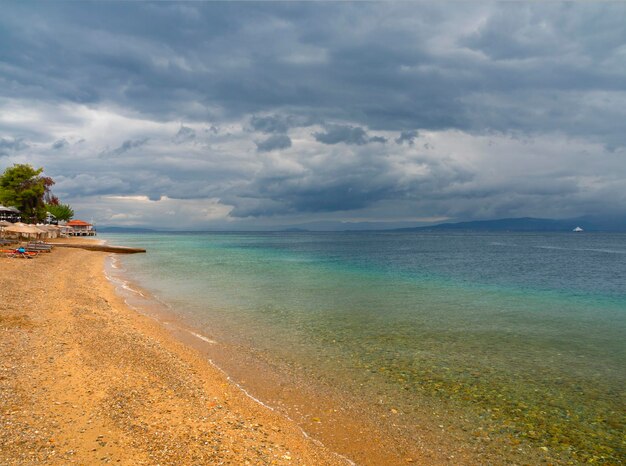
(201,116)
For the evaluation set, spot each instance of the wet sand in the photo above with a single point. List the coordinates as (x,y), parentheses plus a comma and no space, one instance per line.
(84,379)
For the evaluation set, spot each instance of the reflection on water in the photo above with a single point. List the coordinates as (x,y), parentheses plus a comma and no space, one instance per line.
(526,331)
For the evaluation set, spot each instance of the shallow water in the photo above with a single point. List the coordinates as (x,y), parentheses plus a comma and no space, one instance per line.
(525,331)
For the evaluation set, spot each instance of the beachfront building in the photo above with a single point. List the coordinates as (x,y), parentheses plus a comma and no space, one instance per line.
(80,228)
(9,214)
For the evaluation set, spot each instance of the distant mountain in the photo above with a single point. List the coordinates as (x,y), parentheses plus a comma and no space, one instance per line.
(125,230)
(588,223)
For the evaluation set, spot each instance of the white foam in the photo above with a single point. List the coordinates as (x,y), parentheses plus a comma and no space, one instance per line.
(202,337)
(114,263)
(608,251)
(120,282)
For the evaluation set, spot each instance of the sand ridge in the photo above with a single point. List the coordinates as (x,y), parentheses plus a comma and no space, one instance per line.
(86,380)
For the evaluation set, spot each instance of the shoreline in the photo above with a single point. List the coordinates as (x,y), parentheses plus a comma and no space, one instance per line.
(418,425)
(359,425)
(87,379)
(160,312)
(340,427)
(325,427)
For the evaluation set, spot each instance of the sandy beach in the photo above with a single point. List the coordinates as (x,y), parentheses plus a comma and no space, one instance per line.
(84,379)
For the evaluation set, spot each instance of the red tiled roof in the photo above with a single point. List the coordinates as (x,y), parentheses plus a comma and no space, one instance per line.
(78,223)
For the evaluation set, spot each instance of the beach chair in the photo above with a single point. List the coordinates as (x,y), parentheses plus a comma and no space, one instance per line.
(8,252)
(23,253)
(39,247)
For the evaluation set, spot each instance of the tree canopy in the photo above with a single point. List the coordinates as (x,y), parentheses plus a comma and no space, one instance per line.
(60,211)
(22,186)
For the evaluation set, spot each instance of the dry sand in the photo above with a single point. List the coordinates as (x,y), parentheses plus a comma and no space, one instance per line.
(86,380)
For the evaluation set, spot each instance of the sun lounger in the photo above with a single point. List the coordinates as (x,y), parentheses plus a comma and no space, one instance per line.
(8,252)
(40,244)
(25,255)
(39,247)
(16,253)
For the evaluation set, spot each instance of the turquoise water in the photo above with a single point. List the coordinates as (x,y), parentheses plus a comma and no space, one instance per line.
(526,331)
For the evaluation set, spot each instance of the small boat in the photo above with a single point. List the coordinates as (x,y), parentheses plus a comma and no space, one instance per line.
(577,230)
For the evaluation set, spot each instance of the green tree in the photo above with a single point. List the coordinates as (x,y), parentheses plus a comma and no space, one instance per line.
(22,186)
(60,211)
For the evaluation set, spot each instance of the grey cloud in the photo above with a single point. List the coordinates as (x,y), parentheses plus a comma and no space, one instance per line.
(341,184)
(87,185)
(334,134)
(528,70)
(407,136)
(9,145)
(382,75)
(269,124)
(275,142)
(185,133)
(60,144)
(126,146)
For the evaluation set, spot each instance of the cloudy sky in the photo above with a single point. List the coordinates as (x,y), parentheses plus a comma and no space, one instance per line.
(246,115)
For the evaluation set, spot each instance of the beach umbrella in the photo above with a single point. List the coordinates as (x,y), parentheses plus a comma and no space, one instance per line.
(4,223)
(23,230)
(38,231)
(52,231)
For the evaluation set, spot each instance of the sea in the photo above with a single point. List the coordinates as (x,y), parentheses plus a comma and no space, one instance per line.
(512,342)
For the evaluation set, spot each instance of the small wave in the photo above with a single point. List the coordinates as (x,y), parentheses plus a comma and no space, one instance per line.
(610,251)
(123,284)
(115,262)
(202,337)
(127,287)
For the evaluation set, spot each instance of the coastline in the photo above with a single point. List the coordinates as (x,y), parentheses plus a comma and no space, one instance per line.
(166,391)
(352,432)
(350,408)
(87,379)
(359,430)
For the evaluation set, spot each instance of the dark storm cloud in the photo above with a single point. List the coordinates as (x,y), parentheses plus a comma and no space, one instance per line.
(274,142)
(273,73)
(542,60)
(331,184)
